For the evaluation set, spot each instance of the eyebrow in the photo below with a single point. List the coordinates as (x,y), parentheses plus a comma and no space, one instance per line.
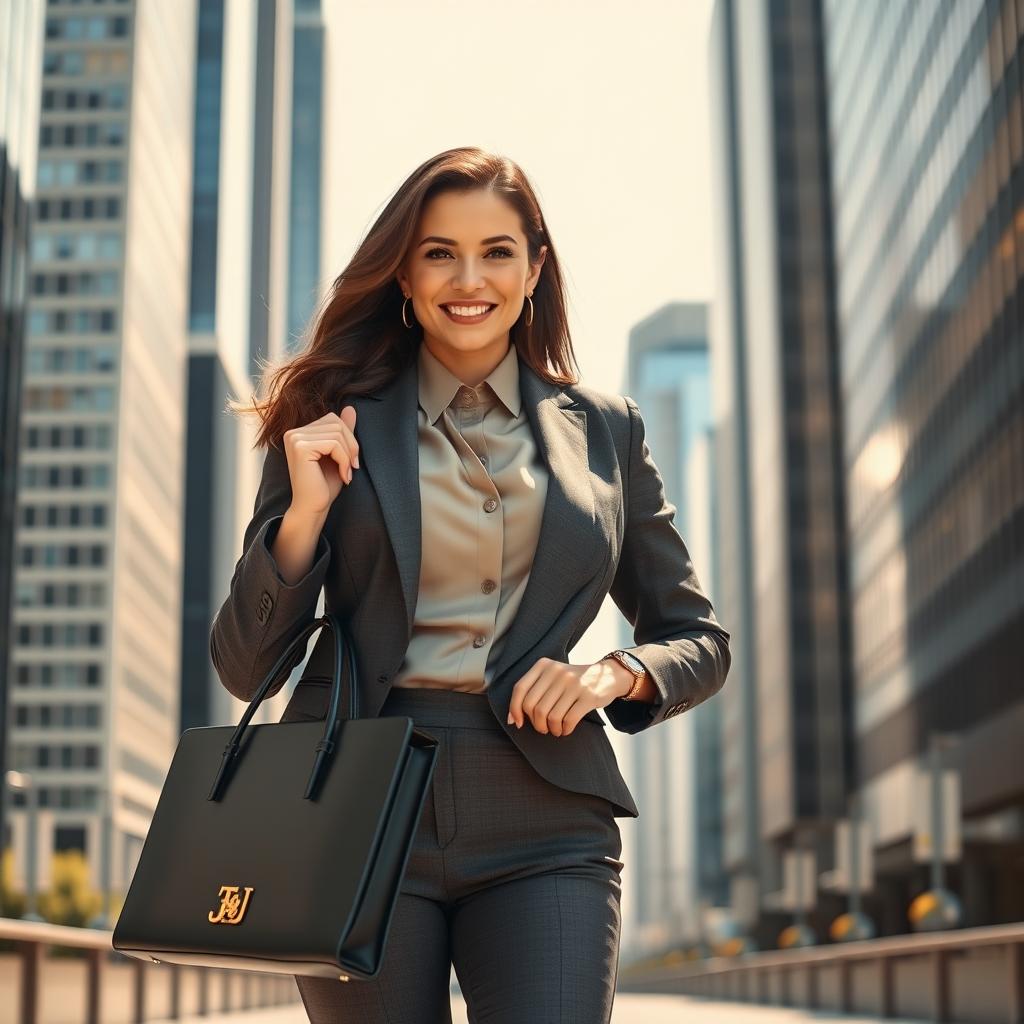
(451,241)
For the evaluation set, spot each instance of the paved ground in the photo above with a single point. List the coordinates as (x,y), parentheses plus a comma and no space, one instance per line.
(629,1009)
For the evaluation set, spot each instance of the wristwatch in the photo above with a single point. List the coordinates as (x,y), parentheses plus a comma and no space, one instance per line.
(635,666)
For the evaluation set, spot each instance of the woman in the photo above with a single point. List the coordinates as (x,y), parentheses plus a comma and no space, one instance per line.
(466,509)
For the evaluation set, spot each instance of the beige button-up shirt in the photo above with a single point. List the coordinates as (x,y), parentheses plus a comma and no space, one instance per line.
(482,491)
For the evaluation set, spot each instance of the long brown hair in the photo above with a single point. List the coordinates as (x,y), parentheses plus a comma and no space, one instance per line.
(358,342)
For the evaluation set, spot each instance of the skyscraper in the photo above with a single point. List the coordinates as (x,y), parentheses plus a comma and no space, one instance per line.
(927,121)
(96,627)
(239,288)
(21,44)
(787,727)
(868,381)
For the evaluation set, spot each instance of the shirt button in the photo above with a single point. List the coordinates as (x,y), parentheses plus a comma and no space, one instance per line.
(479,641)
(487,586)
(490,505)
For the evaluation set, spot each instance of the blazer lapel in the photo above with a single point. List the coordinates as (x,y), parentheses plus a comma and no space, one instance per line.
(386,429)
(568,547)
(568,542)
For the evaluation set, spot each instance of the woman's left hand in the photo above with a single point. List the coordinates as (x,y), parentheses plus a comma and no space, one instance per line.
(555,696)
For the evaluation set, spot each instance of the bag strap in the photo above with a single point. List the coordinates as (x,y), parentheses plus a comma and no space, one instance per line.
(342,646)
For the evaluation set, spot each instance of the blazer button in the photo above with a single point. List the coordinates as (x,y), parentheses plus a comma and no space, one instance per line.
(490,505)
(383,677)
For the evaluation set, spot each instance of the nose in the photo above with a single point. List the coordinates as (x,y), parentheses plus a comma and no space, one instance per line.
(468,277)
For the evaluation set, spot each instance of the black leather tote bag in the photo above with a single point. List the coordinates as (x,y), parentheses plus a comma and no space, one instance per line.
(281,847)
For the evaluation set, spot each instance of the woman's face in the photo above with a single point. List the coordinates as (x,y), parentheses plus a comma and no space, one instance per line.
(469,251)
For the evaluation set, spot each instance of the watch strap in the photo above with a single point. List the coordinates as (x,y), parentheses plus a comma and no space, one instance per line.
(638,677)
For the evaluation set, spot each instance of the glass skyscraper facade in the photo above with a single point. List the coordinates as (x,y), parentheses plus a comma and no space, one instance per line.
(786,736)
(868,374)
(95,627)
(21,36)
(927,122)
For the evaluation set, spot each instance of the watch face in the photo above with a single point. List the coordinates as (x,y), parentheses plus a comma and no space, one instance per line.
(632,662)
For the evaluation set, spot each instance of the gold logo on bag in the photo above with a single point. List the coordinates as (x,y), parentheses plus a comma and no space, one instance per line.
(232,906)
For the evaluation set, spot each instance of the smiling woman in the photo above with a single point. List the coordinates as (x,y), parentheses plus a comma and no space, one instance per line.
(464,228)
(467,504)
(480,277)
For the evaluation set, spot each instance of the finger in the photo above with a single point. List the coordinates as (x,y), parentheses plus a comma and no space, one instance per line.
(540,712)
(351,446)
(573,717)
(339,434)
(559,695)
(335,428)
(344,425)
(540,694)
(348,417)
(515,708)
(570,711)
(311,446)
(567,699)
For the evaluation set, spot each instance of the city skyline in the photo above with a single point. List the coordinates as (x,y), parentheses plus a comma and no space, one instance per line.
(798,253)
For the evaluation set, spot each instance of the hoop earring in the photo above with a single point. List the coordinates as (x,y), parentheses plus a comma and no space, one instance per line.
(404,321)
(530,301)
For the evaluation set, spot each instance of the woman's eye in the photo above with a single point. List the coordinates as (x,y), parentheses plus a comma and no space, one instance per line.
(502,251)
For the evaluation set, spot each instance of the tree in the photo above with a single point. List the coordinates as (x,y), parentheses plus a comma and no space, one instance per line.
(71,899)
(12,902)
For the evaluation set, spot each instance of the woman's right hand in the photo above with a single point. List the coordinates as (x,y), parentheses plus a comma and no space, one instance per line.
(322,457)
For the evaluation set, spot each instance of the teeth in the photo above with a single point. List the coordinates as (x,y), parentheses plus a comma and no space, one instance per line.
(468,310)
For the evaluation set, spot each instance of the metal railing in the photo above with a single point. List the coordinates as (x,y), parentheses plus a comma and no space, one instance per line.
(238,990)
(968,975)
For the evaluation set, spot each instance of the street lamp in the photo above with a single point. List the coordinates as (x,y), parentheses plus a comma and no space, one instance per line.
(23,782)
(854,872)
(938,837)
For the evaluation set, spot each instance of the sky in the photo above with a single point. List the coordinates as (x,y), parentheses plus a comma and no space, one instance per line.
(604,106)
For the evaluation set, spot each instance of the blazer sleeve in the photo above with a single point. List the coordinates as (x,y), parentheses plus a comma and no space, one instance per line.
(262,614)
(678,639)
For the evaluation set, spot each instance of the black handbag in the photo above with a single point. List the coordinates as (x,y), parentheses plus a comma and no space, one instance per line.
(281,847)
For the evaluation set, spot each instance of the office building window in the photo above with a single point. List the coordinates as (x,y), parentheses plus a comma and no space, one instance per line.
(69,837)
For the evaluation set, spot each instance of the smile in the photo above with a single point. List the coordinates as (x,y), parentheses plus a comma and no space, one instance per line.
(468,314)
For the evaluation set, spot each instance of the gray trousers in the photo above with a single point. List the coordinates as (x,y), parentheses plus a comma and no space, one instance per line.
(511,878)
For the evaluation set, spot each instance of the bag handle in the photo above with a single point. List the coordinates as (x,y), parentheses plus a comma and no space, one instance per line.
(342,645)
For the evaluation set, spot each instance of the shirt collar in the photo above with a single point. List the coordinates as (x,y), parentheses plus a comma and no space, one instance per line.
(438,385)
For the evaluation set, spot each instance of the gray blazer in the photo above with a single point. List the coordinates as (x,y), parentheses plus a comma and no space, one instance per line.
(607,527)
